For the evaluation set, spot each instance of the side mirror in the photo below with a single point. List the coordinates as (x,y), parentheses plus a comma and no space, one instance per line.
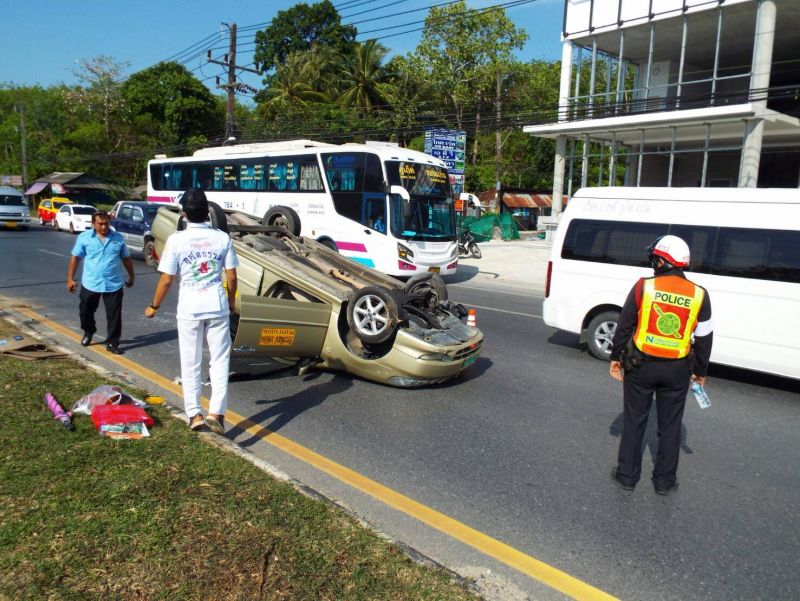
(400,191)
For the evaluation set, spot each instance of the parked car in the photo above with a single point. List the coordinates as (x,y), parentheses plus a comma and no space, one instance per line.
(14,211)
(74,217)
(133,219)
(49,207)
(303,304)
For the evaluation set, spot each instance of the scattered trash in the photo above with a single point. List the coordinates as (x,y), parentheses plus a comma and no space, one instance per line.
(22,347)
(154,400)
(177,380)
(3,341)
(58,411)
(18,337)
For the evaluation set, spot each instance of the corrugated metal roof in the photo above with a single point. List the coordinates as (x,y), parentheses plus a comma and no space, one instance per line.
(531,201)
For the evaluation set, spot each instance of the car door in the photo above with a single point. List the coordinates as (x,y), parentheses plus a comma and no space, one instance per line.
(122,222)
(44,214)
(136,228)
(277,327)
(63,216)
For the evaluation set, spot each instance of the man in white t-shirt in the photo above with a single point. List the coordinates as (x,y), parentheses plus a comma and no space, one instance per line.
(201,255)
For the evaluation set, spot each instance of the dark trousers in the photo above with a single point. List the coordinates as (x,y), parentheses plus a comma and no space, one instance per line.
(669,382)
(90,300)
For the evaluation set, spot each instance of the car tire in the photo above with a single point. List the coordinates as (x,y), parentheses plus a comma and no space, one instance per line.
(284,216)
(150,256)
(372,314)
(428,281)
(41,220)
(71,228)
(219,221)
(55,224)
(600,334)
(475,251)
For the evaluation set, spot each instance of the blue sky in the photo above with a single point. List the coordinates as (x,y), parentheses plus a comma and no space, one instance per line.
(43,40)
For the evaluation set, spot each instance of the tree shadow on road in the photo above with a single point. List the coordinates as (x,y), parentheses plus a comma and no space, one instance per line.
(281,411)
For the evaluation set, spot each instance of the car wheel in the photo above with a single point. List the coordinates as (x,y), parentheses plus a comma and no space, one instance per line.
(41,220)
(150,255)
(600,334)
(71,228)
(428,282)
(55,224)
(475,251)
(372,314)
(219,221)
(284,216)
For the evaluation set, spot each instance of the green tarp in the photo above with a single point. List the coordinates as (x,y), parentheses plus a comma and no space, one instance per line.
(483,228)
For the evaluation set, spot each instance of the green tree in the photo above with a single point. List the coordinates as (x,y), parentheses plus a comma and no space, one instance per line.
(298,29)
(290,83)
(364,78)
(168,106)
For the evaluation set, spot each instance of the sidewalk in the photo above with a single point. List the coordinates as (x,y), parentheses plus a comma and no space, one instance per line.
(516,264)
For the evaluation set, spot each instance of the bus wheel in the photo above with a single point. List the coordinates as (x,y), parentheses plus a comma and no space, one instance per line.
(600,333)
(328,243)
(428,283)
(219,220)
(284,216)
(372,314)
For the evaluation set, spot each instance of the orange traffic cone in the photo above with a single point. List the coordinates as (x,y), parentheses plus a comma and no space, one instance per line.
(471,321)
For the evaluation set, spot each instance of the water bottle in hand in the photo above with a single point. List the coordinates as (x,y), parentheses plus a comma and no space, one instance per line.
(700,394)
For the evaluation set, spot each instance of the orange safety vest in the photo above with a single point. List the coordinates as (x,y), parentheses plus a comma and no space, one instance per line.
(667,316)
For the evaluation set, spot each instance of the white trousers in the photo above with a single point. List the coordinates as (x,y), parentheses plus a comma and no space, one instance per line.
(190,339)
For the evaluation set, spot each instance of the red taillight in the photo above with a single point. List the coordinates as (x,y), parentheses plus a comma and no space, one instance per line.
(452,265)
(547,279)
(406,266)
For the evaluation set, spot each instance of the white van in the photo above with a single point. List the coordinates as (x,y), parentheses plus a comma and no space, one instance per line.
(745,250)
(14,210)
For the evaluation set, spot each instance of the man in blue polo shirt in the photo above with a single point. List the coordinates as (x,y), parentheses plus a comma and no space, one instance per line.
(104,250)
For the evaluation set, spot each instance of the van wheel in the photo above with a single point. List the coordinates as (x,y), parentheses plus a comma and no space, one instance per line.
(600,334)
(284,216)
(328,243)
(150,256)
(372,314)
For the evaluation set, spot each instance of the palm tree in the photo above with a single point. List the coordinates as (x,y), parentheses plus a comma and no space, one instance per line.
(293,83)
(363,78)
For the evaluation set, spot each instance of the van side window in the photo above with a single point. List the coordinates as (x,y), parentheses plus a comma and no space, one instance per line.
(701,240)
(610,241)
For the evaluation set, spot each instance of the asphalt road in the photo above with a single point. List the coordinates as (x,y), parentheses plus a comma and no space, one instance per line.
(520,448)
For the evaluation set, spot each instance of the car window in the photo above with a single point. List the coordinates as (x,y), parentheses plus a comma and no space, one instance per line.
(137,215)
(46,204)
(64,209)
(58,205)
(11,200)
(125,213)
(83,210)
(151,213)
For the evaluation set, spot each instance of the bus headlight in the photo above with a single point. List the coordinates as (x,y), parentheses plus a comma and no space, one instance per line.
(404,252)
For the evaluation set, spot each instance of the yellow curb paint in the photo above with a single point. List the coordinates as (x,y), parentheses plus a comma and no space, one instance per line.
(538,570)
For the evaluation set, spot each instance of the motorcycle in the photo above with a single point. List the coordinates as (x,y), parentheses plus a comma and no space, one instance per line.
(467,245)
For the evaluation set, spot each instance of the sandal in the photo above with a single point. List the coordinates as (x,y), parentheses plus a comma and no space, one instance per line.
(216,423)
(196,422)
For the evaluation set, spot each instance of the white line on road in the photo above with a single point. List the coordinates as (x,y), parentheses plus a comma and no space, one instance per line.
(50,252)
(503,311)
(494,290)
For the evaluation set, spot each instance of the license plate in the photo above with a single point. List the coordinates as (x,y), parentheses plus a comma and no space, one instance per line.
(276,337)
(11,224)
(434,269)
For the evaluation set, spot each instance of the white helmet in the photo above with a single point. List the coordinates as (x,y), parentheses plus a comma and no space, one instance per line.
(672,249)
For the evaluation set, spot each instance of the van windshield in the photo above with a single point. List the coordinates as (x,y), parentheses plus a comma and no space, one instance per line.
(11,200)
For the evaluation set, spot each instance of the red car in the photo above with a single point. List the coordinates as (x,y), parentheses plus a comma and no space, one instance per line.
(49,207)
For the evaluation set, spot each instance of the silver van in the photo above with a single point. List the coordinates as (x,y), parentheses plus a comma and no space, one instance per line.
(14,211)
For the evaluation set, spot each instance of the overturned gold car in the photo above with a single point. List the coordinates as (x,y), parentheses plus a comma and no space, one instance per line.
(301,303)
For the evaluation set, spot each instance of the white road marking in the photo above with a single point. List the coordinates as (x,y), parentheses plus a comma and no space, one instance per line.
(494,290)
(50,252)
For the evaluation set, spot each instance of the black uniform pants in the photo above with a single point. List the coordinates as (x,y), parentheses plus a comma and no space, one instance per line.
(90,300)
(669,382)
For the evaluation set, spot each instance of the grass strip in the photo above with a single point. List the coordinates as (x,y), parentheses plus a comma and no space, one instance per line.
(167,517)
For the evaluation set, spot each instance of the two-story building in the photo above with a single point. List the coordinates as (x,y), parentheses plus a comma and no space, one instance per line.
(677,93)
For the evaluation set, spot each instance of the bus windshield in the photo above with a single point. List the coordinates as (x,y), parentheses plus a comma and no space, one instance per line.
(429,215)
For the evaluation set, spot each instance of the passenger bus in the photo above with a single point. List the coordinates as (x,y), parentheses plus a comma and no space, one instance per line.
(386,207)
(745,250)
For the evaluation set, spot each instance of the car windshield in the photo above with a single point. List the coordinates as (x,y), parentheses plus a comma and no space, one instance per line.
(83,210)
(57,204)
(9,200)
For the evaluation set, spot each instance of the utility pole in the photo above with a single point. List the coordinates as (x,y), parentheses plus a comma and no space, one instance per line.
(231,86)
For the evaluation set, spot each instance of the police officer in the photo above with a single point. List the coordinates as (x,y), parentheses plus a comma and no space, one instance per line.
(201,254)
(660,317)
